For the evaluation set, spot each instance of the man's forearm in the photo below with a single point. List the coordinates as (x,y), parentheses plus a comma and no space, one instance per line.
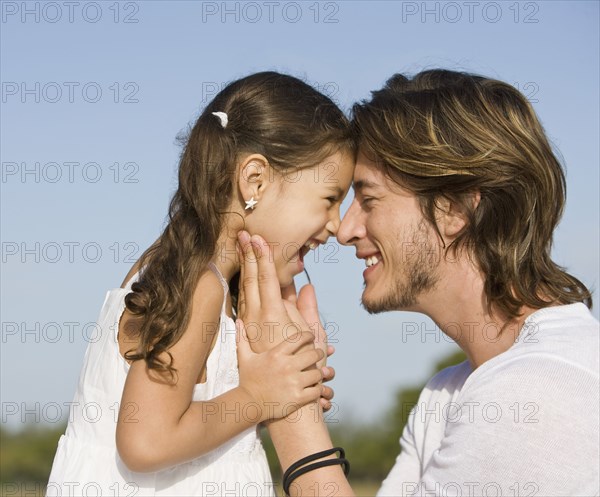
(301,434)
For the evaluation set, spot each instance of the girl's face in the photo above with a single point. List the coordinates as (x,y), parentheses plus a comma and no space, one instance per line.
(300,211)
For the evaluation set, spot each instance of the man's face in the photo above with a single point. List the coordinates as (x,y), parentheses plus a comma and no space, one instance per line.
(400,248)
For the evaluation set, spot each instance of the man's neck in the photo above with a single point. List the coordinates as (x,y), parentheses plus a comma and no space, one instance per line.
(458,306)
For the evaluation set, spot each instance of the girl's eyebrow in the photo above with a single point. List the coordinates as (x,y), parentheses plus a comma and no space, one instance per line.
(337,190)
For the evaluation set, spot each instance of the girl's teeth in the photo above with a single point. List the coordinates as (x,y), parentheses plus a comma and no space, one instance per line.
(371,261)
(311,245)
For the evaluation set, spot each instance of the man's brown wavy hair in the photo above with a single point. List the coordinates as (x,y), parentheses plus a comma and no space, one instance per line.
(276,115)
(445,135)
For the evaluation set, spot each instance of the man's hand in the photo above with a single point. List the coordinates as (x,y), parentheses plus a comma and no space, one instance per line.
(268,318)
(272,314)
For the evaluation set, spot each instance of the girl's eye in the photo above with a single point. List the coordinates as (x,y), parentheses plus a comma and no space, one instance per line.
(333,200)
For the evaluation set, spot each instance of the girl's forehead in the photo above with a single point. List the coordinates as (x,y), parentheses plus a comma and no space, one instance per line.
(341,165)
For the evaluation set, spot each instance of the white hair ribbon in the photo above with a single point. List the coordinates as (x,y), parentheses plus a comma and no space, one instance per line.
(222,118)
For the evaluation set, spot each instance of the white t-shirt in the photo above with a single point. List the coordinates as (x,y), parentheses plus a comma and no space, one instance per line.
(524,423)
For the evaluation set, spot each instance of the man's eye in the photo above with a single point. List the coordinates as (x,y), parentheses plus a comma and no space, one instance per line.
(366,200)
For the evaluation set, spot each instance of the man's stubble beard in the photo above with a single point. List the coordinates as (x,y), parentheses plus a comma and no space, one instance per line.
(417,275)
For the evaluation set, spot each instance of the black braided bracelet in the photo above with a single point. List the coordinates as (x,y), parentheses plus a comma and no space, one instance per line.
(311,458)
(316,465)
(296,469)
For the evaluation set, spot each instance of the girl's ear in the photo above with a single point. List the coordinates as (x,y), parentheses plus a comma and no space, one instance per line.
(254,177)
(451,217)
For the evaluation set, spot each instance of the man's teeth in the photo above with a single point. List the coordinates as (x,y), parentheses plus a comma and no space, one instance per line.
(311,245)
(371,261)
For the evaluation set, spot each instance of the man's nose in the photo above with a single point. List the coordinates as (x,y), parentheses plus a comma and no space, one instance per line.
(352,227)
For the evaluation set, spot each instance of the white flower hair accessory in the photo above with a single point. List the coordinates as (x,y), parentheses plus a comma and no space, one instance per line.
(223,119)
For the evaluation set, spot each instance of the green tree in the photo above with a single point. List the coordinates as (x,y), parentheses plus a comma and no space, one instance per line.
(27,455)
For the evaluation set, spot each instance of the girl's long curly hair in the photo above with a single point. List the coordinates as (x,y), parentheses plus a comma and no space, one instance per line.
(276,115)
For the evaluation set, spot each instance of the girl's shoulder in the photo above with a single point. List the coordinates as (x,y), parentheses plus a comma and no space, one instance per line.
(210,279)
(132,272)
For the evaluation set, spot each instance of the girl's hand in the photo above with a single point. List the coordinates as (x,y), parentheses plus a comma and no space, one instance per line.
(327,393)
(306,305)
(282,379)
(303,307)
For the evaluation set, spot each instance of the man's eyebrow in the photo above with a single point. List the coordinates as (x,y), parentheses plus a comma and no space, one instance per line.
(364,183)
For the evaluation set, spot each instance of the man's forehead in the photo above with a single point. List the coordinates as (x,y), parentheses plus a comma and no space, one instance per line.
(367,175)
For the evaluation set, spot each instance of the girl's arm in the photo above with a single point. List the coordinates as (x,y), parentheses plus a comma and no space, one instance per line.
(169,428)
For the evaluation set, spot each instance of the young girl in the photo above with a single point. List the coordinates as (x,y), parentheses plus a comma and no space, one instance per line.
(270,155)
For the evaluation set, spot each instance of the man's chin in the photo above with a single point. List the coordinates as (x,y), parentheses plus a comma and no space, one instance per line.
(372,304)
(387,303)
(372,309)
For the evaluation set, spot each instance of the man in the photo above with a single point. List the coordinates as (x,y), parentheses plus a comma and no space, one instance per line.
(457,195)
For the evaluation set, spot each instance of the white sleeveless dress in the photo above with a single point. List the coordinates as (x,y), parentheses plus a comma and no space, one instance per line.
(87,461)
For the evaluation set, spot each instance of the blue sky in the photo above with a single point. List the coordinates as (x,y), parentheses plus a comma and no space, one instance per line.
(93,96)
